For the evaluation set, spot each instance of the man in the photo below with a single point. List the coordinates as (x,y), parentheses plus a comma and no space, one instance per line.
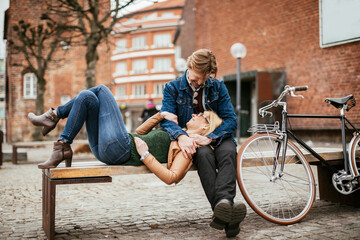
(195,92)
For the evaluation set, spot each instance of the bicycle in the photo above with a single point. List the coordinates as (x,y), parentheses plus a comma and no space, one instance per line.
(273,174)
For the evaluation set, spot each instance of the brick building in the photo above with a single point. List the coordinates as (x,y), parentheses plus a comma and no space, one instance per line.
(64,79)
(282,40)
(143,58)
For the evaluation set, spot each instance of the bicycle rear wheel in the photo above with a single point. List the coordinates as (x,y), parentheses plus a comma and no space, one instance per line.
(355,156)
(280,197)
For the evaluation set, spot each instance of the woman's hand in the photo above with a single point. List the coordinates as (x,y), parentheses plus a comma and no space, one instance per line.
(187,145)
(141,146)
(200,140)
(170,116)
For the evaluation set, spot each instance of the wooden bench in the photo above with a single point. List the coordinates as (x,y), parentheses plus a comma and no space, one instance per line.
(97,172)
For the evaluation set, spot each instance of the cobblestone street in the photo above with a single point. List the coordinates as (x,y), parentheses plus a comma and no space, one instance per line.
(142,207)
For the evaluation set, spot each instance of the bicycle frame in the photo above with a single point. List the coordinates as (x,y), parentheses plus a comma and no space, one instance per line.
(286,132)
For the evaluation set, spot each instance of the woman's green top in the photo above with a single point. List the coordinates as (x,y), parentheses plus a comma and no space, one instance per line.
(158,142)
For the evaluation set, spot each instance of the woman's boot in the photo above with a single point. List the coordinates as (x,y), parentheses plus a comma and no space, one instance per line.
(48,120)
(61,151)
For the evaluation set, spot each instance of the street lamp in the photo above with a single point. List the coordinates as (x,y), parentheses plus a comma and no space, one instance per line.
(238,51)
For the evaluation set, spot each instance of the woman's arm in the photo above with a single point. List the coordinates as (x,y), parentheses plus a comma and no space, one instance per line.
(154,120)
(177,170)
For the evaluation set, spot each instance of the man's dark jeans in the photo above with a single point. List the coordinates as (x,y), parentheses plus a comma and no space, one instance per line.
(217,171)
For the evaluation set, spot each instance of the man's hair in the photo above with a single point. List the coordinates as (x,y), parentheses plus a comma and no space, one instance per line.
(202,61)
(214,122)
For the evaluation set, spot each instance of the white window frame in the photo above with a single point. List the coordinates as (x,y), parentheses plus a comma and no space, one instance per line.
(139,91)
(139,43)
(64,99)
(120,45)
(120,92)
(162,64)
(120,69)
(139,66)
(162,40)
(30,86)
(157,92)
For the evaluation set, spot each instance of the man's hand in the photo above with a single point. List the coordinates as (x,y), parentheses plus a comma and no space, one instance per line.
(187,145)
(200,140)
(141,146)
(170,116)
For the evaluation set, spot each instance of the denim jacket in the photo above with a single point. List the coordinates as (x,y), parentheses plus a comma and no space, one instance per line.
(178,100)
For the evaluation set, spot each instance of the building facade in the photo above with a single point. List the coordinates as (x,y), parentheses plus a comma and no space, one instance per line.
(65,77)
(283,36)
(144,57)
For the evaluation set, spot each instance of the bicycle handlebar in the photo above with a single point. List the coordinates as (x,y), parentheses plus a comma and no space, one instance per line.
(287,90)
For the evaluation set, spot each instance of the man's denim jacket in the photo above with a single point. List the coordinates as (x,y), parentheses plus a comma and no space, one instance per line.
(178,100)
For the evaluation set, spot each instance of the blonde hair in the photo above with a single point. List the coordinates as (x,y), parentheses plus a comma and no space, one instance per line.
(214,122)
(202,61)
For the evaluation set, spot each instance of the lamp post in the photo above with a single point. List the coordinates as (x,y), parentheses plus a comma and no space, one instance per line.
(238,51)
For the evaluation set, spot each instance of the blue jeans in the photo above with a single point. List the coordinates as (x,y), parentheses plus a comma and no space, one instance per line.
(107,135)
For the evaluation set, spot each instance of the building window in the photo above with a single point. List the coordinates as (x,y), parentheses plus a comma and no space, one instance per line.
(162,40)
(139,43)
(139,66)
(120,92)
(162,65)
(64,99)
(139,91)
(121,69)
(30,86)
(121,45)
(158,90)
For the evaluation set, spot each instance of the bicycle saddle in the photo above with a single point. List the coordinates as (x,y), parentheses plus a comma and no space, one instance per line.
(339,102)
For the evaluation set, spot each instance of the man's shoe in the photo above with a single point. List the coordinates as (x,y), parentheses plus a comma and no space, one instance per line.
(222,214)
(238,214)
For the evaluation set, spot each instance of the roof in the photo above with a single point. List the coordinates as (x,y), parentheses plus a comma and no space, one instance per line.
(163,5)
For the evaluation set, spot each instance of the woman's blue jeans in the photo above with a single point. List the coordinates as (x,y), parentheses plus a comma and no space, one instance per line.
(108,137)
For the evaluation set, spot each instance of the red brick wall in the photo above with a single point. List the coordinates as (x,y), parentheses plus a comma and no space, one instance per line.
(282,35)
(64,78)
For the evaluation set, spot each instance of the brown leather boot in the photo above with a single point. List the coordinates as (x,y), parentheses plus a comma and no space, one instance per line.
(48,120)
(61,151)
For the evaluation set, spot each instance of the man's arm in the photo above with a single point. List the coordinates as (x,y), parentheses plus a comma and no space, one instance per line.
(227,113)
(187,145)
(169,105)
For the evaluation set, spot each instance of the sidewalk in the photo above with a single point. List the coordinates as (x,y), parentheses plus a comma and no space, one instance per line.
(142,207)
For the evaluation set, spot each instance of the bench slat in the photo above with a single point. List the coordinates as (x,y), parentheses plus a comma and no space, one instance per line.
(97,169)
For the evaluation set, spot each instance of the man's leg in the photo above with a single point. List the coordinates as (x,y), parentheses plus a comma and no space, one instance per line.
(204,159)
(225,186)
(207,169)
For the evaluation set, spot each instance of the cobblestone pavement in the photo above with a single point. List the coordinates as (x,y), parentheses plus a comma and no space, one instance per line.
(142,207)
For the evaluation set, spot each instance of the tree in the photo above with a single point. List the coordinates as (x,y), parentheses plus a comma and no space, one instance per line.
(37,44)
(91,22)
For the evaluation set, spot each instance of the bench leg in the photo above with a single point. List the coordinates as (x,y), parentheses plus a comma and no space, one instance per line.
(48,206)
(49,198)
(14,155)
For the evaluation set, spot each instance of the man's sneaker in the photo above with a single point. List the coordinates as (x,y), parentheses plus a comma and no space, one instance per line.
(238,214)
(222,214)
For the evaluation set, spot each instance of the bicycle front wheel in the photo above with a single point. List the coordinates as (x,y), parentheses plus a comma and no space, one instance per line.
(280,196)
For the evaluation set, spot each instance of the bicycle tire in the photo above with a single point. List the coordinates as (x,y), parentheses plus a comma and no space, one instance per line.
(355,158)
(286,199)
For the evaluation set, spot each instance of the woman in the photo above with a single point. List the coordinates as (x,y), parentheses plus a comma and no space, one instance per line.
(110,142)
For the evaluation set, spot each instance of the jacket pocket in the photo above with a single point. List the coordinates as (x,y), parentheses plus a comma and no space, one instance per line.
(181,105)
(212,101)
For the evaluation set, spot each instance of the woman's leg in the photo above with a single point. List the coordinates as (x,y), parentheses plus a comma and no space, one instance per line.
(113,144)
